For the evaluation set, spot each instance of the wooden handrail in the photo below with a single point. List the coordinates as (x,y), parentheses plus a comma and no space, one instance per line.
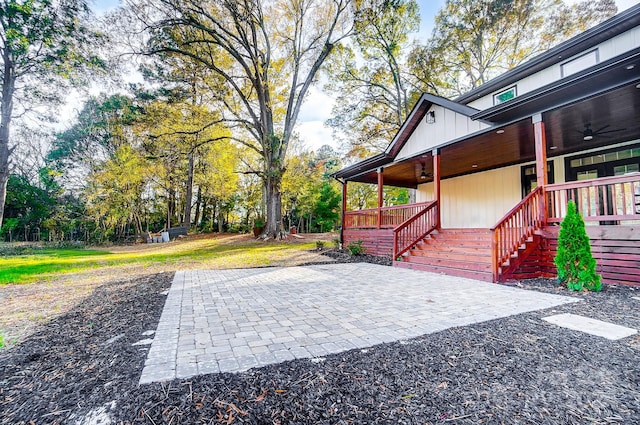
(609,199)
(515,228)
(600,181)
(389,217)
(415,228)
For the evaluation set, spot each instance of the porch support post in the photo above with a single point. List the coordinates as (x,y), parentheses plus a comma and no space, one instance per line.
(436,182)
(344,210)
(380,195)
(541,162)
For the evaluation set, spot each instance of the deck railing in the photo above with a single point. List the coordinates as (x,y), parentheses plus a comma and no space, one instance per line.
(608,199)
(515,228)
(389,217)
(415,228)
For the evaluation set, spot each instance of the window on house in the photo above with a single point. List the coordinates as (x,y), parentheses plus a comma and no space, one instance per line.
(612,162)
(610,156)
(529,179)
(504,95)
(579,63)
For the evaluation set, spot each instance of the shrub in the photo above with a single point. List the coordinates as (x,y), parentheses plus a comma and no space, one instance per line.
(320,245)
(336,243)
(356,248)
(575,263)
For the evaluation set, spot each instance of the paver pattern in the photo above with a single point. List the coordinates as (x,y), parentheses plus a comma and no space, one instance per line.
(232,320)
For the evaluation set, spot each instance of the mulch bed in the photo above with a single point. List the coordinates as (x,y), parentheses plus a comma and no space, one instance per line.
(343,256)
(82,368)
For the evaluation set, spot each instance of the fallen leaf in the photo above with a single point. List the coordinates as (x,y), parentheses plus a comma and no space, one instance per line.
(262,396)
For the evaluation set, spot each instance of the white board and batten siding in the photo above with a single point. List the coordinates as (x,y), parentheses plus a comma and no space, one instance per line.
(606,50)
(448,125)
(477,200)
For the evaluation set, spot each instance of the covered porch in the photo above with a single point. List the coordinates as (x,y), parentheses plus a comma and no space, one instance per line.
(488,204)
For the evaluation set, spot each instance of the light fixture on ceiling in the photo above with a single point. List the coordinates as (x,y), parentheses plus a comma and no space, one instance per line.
(501,131)
(423,174)
(431,117)
(474,166)
(552,148)
(630,67)
(587,134)
(638,86)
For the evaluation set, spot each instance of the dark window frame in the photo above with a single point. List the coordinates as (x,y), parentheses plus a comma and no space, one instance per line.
(515,94)
(527,179)
(605,169)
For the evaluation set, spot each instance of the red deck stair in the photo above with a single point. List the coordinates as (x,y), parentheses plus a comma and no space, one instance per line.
(456,252)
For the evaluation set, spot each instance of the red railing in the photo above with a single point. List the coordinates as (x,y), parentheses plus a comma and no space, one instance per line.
(608,199)
(515,228)
(390,217)
(415,228)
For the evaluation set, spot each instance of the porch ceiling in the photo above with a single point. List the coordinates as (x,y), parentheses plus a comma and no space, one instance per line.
(618,109)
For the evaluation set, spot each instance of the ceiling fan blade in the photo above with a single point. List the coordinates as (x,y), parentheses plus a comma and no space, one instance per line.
(610,131)
(602,128)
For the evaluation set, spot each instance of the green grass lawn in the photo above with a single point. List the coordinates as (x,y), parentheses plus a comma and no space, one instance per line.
(228,251)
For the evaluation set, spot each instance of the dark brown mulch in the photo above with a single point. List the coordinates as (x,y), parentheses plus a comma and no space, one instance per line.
(513,370)
(344,256)
(84,358)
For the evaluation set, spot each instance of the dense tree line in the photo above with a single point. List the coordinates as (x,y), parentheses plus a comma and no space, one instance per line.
(208,141)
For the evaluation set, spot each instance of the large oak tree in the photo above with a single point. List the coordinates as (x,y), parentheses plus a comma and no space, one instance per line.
(268,52)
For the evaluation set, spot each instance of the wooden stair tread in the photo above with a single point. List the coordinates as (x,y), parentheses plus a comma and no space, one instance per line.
(450,271)
(456,252)
(444,262)
(454,255)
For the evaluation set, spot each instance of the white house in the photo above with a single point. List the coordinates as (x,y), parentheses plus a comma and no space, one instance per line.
(494,169)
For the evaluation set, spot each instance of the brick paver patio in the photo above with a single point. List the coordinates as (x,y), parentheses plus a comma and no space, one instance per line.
(232,320)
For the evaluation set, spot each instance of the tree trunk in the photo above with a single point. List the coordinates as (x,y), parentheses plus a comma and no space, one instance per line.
(189,195)
(6,112)
(212,214)
(170,206)
(220,218)
(273,203)
(196,220)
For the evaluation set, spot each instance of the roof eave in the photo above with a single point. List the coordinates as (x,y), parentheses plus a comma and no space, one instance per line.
(494,114)
(617,24)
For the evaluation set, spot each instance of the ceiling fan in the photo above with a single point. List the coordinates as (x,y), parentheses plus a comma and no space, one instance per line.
(424,175)
(589,134)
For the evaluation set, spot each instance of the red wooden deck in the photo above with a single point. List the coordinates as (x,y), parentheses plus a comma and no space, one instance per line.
(522,244)
(615,248)
(375,241)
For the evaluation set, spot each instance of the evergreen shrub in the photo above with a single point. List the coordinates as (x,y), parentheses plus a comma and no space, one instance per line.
(574,261)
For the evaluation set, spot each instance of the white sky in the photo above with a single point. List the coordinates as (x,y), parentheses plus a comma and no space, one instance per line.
(317,108)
